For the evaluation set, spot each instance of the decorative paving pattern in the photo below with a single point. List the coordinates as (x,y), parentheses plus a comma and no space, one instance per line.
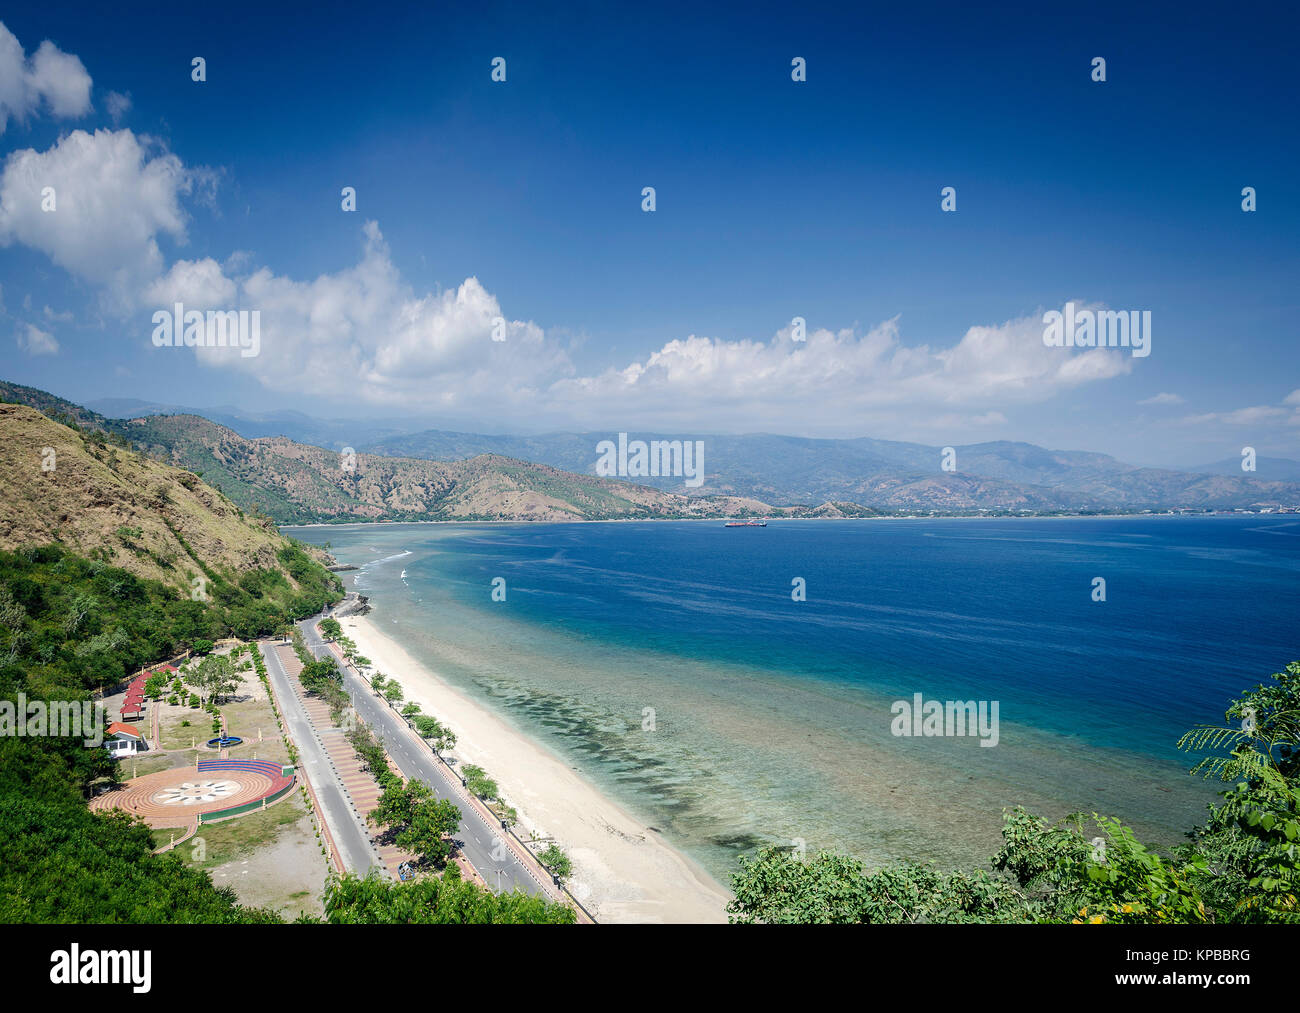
(174,798)
(194,792)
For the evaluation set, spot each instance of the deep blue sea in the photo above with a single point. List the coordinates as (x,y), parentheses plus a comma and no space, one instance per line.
(669,663)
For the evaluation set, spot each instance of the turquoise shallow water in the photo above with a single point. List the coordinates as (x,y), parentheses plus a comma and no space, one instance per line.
(772,718)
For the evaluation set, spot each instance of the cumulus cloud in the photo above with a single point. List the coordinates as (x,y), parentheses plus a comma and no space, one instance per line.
(34,341)
(1162,398)
(362,332)
(839,380)
(114,195)
(49,76)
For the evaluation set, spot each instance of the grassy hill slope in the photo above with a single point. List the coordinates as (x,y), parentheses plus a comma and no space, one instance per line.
(107,503)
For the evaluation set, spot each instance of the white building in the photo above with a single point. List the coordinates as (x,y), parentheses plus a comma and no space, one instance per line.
(124,740)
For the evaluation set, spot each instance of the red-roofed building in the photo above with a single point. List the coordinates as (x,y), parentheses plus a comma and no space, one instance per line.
(124,740)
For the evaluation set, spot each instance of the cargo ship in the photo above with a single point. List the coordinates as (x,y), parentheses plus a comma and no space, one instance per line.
(745,524)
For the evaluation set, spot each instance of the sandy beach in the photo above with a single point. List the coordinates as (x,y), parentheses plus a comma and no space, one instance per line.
(623,870)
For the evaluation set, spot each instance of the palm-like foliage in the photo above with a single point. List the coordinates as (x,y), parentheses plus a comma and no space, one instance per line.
(1252,841)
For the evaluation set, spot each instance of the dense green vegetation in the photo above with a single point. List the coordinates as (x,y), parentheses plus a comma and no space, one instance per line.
(63,863)
(68,624)
(1242,866)
(435,900)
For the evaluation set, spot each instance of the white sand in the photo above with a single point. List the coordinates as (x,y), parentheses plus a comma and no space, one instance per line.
(623,871)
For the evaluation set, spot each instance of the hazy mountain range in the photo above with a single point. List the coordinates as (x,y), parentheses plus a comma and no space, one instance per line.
(882,473)
(291,482)
(287,464)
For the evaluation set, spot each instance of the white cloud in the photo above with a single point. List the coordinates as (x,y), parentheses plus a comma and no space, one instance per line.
(1162,399)
(842,382)
(34,341)
(199,283)
(1254,415)
(49,76)
(118,105)
(363,333)
(1293,398)
(114,196)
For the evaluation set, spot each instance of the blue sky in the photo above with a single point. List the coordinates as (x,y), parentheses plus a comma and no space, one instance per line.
(775,199)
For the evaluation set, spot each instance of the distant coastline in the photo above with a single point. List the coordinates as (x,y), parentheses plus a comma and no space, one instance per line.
(1167,514)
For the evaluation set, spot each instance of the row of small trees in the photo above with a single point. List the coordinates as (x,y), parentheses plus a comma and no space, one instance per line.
(442,739)
(414,819)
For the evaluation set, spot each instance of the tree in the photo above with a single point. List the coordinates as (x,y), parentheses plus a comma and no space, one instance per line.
(214,677)
(447,899)
(441,737)
(393,691)
(13,623)
(445,739)
(398,803)
(431,821)
(202,646)
(477,781)
(1250,845)
(156,685)
(557,862)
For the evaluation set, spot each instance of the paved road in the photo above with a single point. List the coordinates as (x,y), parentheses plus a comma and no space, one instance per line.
(481,842)
(350,838)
